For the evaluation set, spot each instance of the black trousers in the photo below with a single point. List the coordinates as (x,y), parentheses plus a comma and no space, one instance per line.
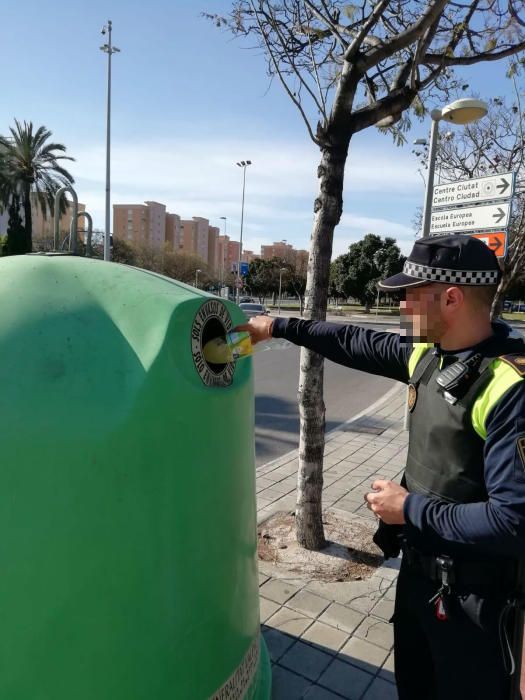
(459,658)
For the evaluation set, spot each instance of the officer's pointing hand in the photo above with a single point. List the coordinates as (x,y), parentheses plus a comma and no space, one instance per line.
(259,328)
(386,501)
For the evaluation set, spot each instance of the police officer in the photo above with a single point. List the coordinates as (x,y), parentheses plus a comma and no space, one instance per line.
(459,513)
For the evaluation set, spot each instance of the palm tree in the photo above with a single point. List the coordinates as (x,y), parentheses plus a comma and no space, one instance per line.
(29,164)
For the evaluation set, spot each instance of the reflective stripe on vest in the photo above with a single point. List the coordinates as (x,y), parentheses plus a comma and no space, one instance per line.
(504,377)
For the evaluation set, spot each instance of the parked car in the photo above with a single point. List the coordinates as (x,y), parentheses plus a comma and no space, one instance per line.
(246,300)
(251,310)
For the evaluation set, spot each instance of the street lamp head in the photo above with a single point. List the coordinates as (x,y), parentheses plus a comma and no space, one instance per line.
(244,163)
(464,111)
(223,217)
(420,142)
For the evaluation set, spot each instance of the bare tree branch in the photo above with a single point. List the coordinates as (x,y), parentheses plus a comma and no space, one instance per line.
(290,94)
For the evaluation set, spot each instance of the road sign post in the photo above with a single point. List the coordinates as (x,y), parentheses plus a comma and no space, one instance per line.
(477,191)
(479,207)
(464,219)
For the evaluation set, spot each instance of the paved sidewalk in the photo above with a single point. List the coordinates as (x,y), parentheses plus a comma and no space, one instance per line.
(334,640)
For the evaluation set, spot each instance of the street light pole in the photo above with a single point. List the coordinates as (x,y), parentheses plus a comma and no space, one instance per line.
(197,278)
(242,164)
(282,269)
(110,50)
(462,111)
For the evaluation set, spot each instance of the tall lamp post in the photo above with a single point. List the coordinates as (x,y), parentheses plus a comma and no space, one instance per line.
(281,270)
(197,278)
(110,50)
(462,111)
(242,164)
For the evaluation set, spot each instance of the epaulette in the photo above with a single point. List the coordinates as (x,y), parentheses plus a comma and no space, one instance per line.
(517,362)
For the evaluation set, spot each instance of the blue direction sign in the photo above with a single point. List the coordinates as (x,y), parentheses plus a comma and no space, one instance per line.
(244,268)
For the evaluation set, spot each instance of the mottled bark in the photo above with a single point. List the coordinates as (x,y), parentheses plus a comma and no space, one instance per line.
(328,208)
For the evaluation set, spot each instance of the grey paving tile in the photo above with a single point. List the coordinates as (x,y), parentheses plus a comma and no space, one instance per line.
(306,660)
(287,685)
(278,590)
(325,637)
(262,578)
(381,690)
(333,591)
(342,617)
(347,680)
(315,692)
(289,621)
(388,672)
(384,609)
(277,642)
(268,608)
(363,654)
(308,603)
(376,631)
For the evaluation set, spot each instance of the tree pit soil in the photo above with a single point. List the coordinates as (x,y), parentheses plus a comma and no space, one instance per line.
(350,554)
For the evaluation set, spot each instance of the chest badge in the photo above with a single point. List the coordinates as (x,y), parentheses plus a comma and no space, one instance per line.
(412,397)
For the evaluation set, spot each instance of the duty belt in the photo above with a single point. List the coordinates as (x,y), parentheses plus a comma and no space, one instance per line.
(460,572)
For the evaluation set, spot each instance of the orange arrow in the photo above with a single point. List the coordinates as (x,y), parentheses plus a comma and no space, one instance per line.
(496,241)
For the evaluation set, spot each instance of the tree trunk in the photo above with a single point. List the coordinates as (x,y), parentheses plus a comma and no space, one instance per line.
(327,208)
(28,221)
(15,228)
(499,298)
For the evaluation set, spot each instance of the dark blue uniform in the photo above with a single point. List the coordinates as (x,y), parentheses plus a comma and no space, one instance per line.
(489,530)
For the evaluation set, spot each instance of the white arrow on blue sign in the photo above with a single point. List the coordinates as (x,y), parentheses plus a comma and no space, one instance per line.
(480,218)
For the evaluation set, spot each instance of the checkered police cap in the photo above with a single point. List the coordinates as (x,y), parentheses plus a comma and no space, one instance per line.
(458,259)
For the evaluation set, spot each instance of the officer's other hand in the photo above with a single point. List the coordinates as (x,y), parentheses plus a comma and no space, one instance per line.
(386,500)
(259,328)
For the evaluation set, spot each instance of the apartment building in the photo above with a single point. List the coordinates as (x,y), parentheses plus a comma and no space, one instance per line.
(194,236)
(232,255)
(173,232)
(248,256)
(213,236)
(280,249)
(140,223)
(44,226)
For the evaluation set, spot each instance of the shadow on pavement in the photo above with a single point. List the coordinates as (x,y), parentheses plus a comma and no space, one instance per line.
(304,669)
(280,417)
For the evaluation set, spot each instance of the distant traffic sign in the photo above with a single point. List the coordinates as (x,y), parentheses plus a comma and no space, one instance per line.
(477,218)
(481,189)
(496,241)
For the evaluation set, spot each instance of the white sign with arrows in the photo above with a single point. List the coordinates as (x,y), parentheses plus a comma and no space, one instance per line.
(480,218)
(482,189)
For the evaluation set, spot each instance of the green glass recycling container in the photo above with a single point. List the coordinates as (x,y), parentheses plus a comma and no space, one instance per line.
(127,490)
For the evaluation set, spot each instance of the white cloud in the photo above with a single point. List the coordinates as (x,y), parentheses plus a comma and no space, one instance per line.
(199,178)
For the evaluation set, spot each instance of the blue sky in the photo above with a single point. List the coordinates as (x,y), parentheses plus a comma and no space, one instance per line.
(188,102)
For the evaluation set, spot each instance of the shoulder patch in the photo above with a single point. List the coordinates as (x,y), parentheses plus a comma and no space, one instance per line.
(517,362)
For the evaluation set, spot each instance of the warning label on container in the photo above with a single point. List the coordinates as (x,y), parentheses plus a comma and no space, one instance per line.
(239,682)
(219,375)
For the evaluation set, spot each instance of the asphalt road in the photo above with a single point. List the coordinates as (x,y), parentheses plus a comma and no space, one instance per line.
(347,392)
